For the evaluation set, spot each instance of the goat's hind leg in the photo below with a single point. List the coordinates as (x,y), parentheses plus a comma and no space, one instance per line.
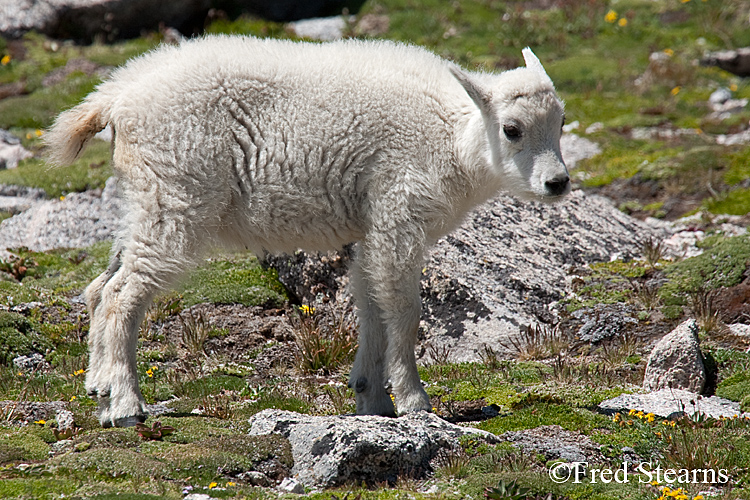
(156,253)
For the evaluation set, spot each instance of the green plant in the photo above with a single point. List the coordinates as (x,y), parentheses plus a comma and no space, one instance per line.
(539,341)
(326,338)
(512,491)
(195,331)
(155,432)
(701,442)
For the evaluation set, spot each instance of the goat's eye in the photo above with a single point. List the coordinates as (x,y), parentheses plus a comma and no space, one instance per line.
(512,132)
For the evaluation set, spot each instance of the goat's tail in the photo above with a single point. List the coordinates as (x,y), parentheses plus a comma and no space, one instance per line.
(73,129)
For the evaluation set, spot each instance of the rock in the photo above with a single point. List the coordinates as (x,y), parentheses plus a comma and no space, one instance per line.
(111,19)
(198,496)
(501,269)
(720,96)
(604,321)
(30,363)
(31,411)
(594,128)
(575,148)
(11,150)
(672,404)
(676,361)
(555,443)
(255,478)
(291,485)
(294,10)
(372,25)
(65,420)
(321,28)
(736,61)
(17,199)
(87,19)
(80,220)
(330,451)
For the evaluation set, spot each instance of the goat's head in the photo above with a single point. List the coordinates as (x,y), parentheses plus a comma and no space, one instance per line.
(523,118)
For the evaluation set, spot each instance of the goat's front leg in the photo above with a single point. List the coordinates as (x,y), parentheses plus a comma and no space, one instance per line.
(368,376)
(391,262)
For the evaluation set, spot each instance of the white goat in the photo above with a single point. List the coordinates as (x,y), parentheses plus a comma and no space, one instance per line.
(275,145)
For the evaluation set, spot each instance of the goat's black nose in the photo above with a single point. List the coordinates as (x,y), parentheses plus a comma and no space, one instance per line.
(557,185)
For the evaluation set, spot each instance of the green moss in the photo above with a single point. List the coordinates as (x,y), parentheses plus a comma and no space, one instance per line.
(37,488)
(22,446)
(722,265)
(240,280)
(247,25)
(110,463)
(529,417)
(39,109)
(734,202)
(735,387)
(90,171)
(213,384)
(18,338)
(231,454)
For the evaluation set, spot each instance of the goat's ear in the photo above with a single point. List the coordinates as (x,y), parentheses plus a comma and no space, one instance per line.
(476,91)
(533,63)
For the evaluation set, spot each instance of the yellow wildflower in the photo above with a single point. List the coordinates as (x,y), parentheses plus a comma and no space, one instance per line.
(698,497)
(306,310)
(39,132)
(650,417)
(669,52)
(622,22)
(676,90)
(632,412)
(150,373)
(72,398)
(611,16)
(230,483)
(733,87)
(5,60)
(40,422)
(213,485)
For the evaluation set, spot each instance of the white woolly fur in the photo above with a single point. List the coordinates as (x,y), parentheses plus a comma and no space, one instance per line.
(277,145)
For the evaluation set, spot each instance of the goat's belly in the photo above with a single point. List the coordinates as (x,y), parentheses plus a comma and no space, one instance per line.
(288,220)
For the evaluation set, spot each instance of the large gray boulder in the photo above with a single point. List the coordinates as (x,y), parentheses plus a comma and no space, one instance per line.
(676,361)
(86,19)
(503,268)
(735,61)
(110,19)
(80,220)
(330,451)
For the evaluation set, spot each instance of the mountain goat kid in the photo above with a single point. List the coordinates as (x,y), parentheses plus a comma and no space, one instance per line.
(275,145)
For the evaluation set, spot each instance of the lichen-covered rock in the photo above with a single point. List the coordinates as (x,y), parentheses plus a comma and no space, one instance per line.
(672,403)
(330,451)
(501,269)
(555,443)
(676,361)
(80,220)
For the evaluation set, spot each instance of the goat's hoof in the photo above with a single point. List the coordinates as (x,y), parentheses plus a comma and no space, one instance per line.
(96,393)
(130,421)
